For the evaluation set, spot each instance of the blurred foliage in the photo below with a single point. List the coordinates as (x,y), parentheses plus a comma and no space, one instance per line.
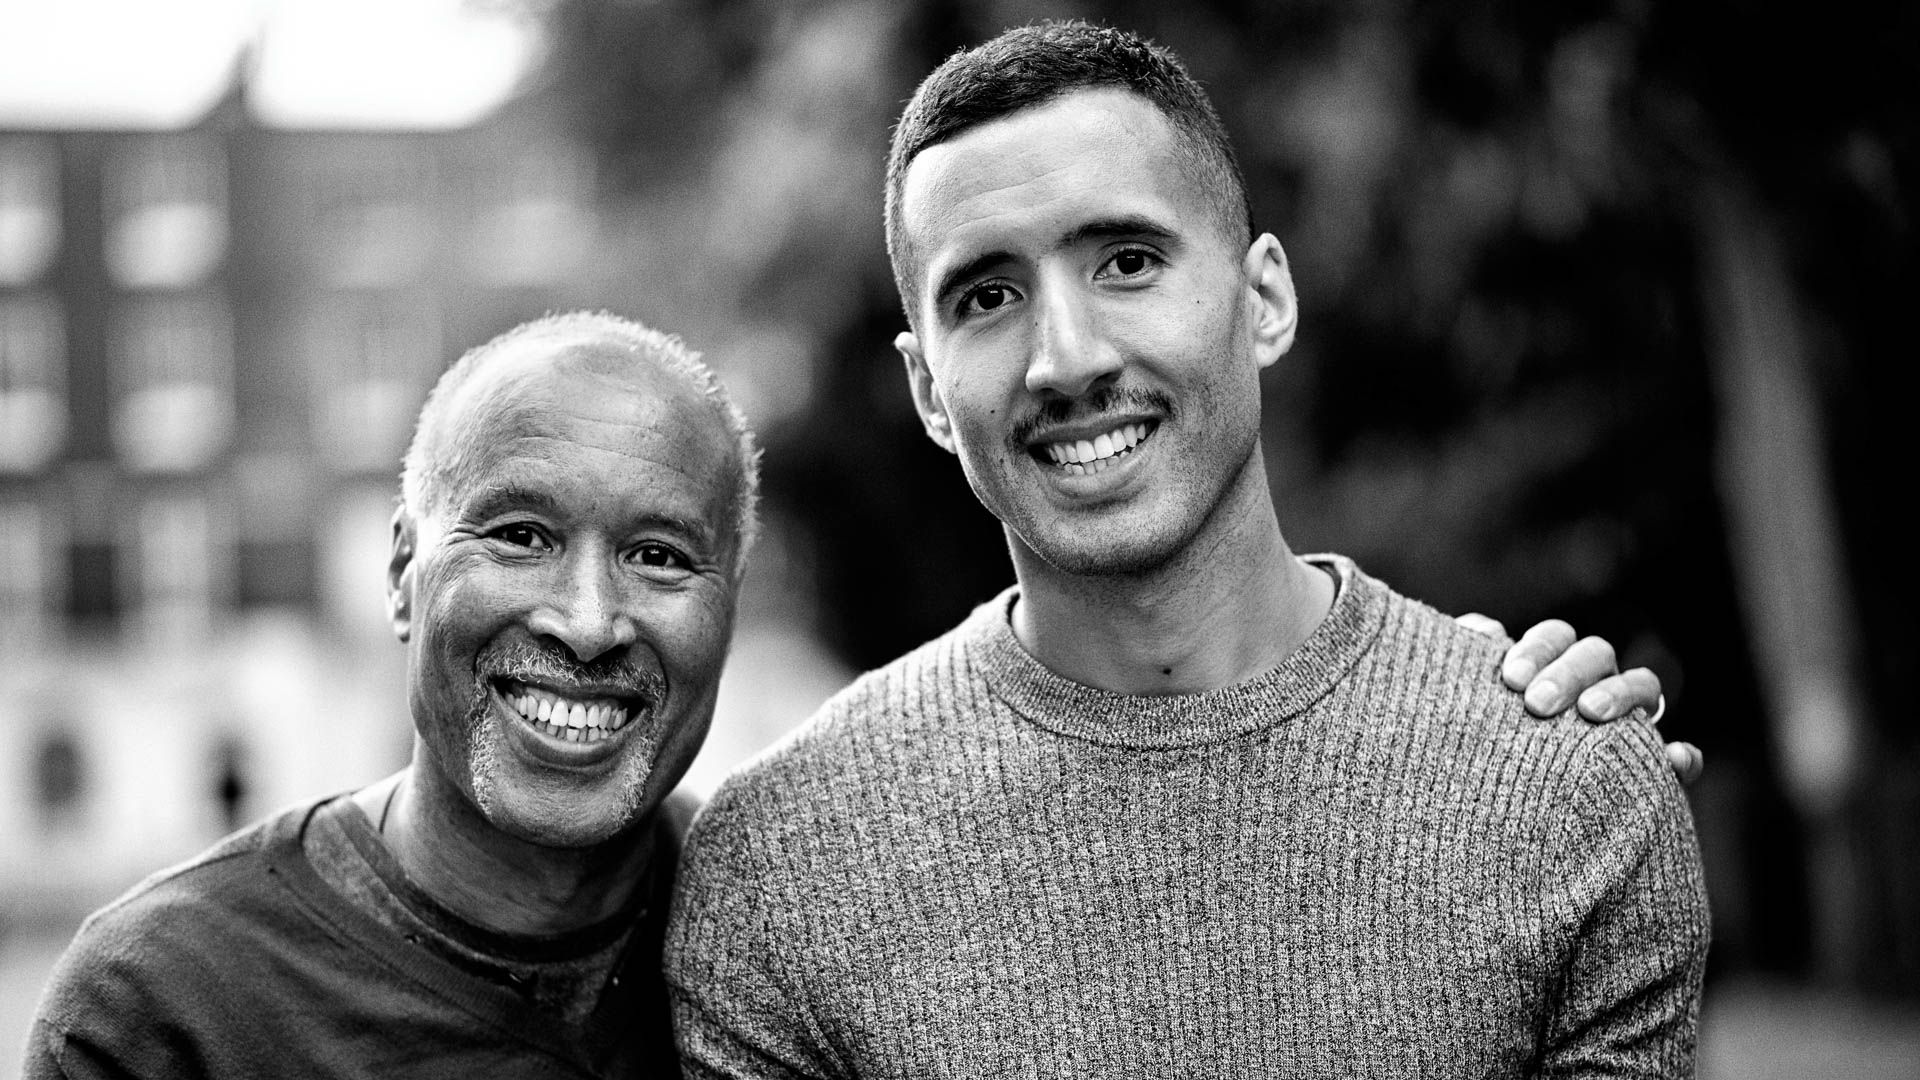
(1500,399)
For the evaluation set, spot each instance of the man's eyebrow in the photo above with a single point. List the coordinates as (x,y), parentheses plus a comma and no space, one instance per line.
(500,496)
(1119,227)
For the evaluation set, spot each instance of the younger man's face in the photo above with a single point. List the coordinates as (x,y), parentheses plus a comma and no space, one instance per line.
(1090,338)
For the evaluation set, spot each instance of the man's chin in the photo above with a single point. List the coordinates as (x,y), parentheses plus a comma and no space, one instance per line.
(1096,553)
(568,819)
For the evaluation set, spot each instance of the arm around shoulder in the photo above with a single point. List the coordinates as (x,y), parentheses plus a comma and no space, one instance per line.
(1630,879)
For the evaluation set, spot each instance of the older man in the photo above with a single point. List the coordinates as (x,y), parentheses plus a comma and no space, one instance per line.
(1179,803)
(576,506)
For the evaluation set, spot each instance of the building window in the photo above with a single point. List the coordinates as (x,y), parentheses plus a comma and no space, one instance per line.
(365,216)
(372,353)
(181,554)
(173,411)
(532,217)
(166,212)
(29,576)
(33,402)
(232,787)
(29,209)
(59,778)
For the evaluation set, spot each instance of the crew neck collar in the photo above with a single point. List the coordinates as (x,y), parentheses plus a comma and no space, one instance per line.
(1170,721)
(561,946)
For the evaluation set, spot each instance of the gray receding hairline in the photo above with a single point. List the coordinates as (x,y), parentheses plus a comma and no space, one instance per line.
(422,473)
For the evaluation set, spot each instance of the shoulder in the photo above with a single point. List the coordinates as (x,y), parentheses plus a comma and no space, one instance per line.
(1434,686)
(878,725)
(817,808)
(177,927)
(213,881)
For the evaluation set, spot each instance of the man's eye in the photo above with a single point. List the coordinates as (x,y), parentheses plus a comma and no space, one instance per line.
(1131,263)
(520,535)
(661,555)
(984,298)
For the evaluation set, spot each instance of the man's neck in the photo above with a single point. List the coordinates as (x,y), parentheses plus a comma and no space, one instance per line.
(1230,607)
(492,879)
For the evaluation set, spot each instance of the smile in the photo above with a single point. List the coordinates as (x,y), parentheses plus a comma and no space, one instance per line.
(566,718)
(1081,456)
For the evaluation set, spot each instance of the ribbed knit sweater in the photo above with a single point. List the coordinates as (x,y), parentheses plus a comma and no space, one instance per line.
(1368,862)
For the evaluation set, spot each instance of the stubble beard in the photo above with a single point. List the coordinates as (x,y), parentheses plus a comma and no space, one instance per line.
(1114,552)
(483,772)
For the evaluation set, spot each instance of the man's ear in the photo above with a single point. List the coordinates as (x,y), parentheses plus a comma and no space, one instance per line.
(400,573)
(1270,291)
(926,395)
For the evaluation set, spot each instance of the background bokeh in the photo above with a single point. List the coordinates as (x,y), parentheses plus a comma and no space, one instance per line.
(1603,305)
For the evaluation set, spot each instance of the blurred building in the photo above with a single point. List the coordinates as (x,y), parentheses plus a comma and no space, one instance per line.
(212,344)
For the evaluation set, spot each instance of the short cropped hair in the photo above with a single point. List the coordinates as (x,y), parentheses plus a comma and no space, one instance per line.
(426,470)
(1032,65)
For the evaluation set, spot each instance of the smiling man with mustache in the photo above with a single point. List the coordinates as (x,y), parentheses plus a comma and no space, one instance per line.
(1180,803)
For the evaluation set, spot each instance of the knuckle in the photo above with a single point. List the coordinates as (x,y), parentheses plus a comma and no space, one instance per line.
(1599,650)
(1555,629)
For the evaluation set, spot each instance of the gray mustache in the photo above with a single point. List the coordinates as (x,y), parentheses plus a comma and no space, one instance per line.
(521,662)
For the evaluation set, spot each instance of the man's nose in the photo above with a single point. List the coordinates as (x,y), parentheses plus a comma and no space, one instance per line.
(1070,355)
(586,610)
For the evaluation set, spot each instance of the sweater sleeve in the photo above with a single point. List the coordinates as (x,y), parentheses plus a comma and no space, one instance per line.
(737,1009)
(1628,1001)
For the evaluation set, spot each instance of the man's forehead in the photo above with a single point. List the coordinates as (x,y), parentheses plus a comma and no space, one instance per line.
(1042,176)
(1086,123)
(593,395)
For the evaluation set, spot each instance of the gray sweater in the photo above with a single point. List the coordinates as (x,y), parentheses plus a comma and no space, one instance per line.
(1368,862)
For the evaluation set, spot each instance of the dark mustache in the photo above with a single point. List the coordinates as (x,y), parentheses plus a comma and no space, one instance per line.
(1100,400)
(521,662)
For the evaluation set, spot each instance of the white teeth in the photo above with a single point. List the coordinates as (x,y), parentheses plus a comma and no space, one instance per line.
(1083,455)
(573,721)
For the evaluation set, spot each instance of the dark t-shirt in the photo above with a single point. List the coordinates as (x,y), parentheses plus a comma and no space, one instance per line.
(246,962)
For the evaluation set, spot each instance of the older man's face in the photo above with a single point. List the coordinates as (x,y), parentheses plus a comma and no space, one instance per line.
(571,591)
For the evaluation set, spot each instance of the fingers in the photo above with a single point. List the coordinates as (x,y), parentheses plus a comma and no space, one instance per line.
(1537,648)
(1585,663)
(1482,624)
(1614,697)
(1686,760)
